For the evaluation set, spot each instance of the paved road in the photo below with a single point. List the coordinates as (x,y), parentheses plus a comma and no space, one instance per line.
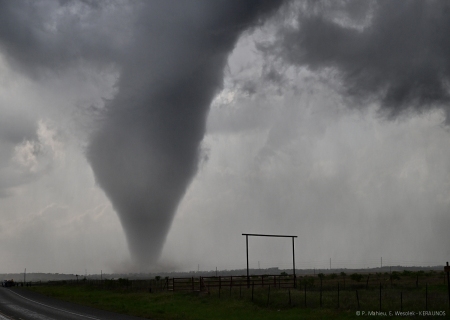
(19,303)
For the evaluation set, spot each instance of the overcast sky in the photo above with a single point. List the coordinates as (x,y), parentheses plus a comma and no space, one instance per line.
(142,136)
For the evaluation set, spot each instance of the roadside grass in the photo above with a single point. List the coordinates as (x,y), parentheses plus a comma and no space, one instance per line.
(313,298)
(167,305)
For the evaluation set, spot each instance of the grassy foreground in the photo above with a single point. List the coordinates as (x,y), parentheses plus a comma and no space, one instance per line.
(316,297)
(166,305)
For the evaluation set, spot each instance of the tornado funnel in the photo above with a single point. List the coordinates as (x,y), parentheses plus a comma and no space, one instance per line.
(145,152)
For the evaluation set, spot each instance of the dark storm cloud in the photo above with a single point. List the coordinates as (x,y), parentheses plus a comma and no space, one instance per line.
(395,52)
(171,56)
(38,36)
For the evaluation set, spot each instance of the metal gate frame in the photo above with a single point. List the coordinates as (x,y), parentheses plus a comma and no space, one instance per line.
(270,235)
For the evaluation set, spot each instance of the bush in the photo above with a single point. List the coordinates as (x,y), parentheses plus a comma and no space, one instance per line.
(407,273)
(356,277)
(122,282)
(307,281)
(395,275)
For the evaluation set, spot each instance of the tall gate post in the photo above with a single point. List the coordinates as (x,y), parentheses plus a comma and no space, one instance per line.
(293,260)
(248,277)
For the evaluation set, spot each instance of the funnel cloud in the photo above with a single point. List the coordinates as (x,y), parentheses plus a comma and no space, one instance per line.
(170,56)
(146,151)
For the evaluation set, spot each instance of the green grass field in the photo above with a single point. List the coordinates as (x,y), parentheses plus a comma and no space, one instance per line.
(167,305)
(402,294)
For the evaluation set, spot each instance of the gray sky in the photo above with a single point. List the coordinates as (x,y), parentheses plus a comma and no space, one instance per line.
(142,136)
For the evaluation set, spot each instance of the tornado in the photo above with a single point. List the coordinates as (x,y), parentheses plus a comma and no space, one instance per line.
(145,152)
(169,57)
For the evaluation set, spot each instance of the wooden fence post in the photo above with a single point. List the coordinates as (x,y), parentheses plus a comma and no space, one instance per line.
(305,294)
(290,302)
(367,282)
(401,301)
(253,288)
(357,298)
(380,296)
(321,292)
(240,289)
(338,295)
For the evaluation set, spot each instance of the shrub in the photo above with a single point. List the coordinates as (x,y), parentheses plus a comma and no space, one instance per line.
(407,273)
(395,275)
(307,281)
(356,277)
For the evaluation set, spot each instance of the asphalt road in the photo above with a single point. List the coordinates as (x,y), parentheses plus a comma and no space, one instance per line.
(19,303)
